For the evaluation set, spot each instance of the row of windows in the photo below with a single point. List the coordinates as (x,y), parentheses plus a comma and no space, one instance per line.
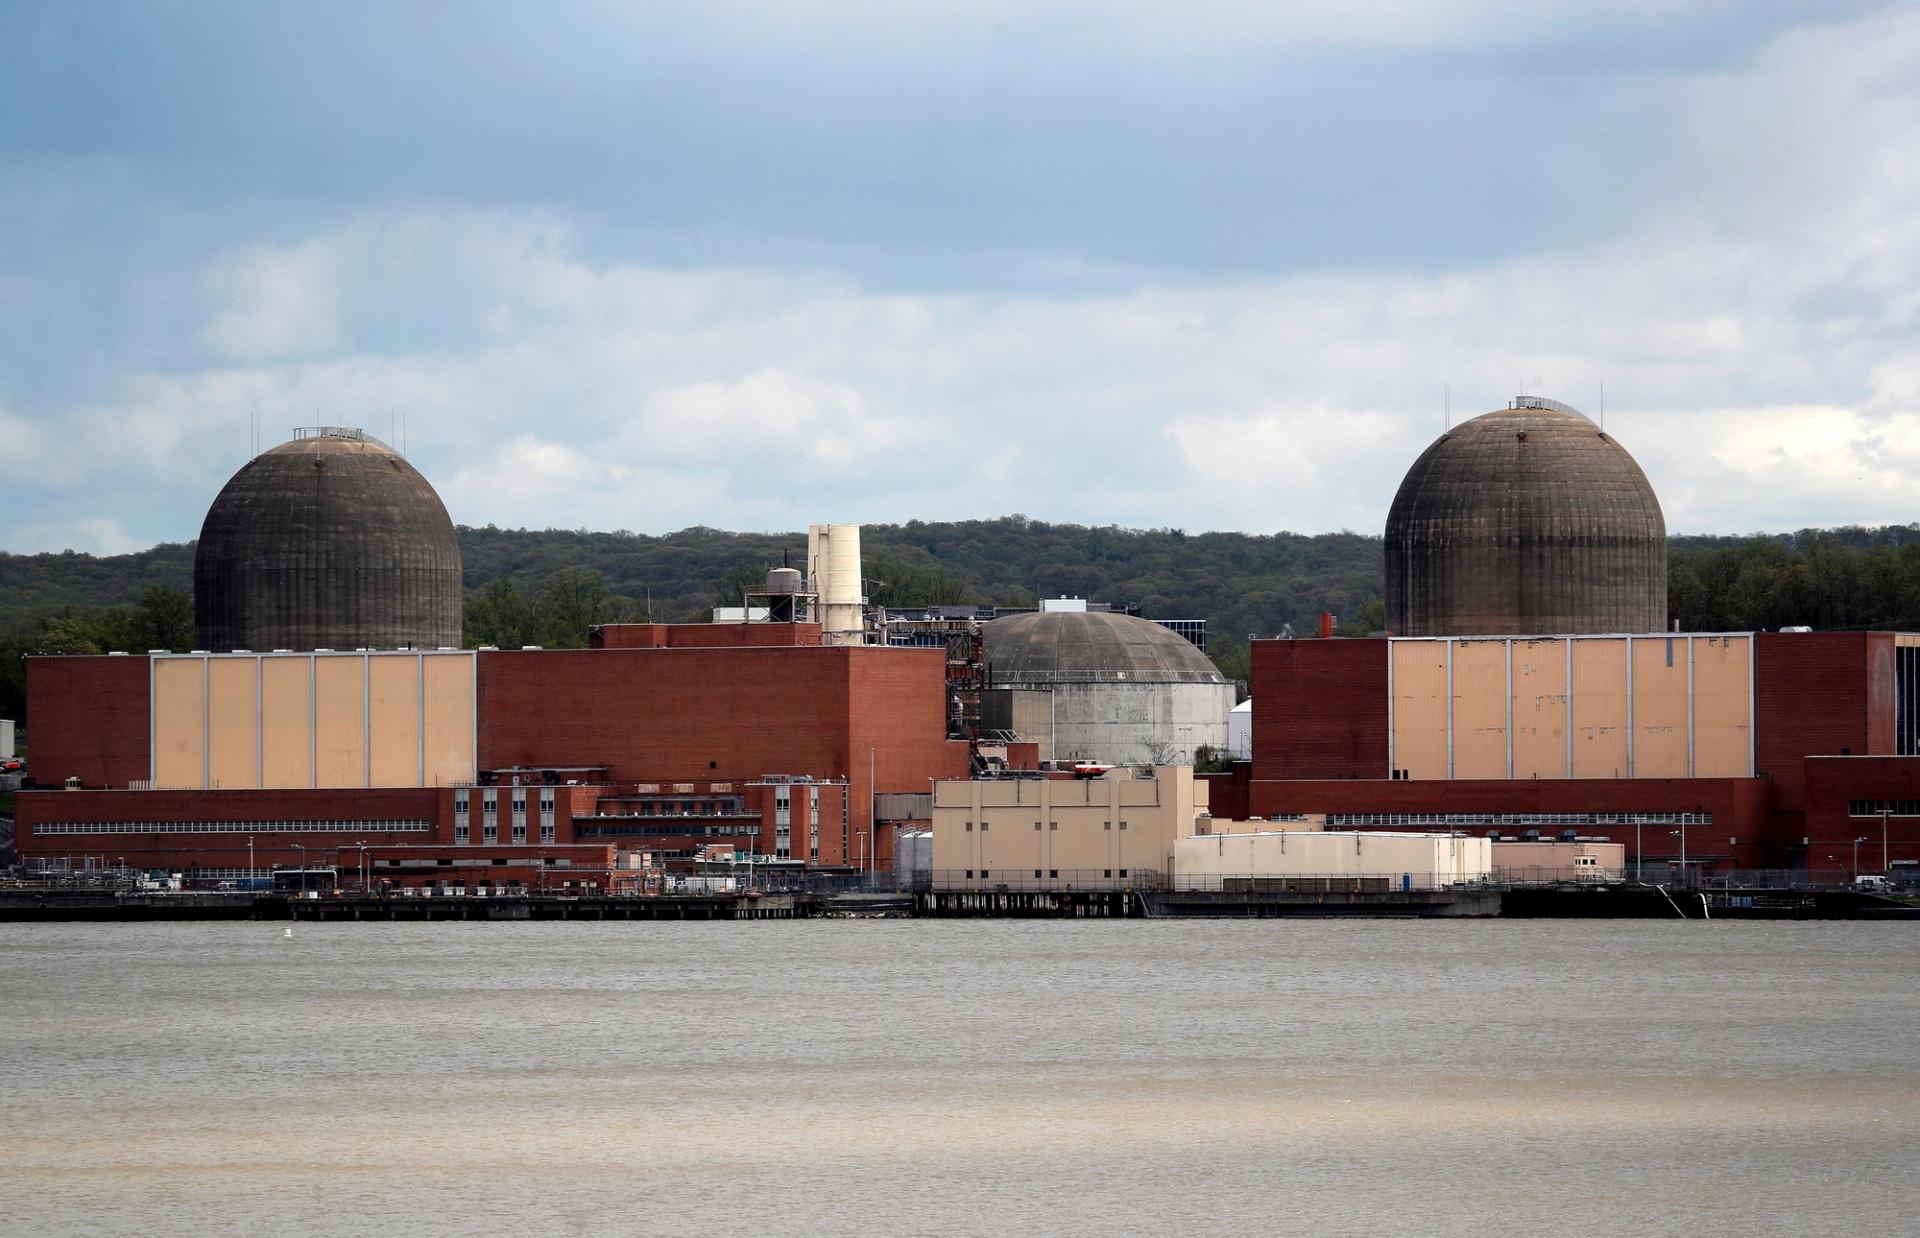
(1519,818)
(1051,825)
(519,803)
(661,830)
(1873,808)
(232,827)
(1052,873)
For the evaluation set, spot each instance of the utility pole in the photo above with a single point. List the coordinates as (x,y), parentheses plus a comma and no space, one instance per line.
(1886,865)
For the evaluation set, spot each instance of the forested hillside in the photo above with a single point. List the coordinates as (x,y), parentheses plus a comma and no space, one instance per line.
(527,587)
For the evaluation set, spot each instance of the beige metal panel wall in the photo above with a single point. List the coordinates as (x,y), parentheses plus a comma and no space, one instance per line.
(179,722)
(393,719)
(1660,707)
(1540,708)
(1599,708)
(340,722)
(1427,861)
(450,724)
(286,712)
(1033,719)
(1420,707)
(1722,707)
(1480,709)
(233,723)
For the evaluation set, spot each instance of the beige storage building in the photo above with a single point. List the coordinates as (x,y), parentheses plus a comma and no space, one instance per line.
(1580,860)
(248,721)
(1317,859)
(1047,833)
(1658,706)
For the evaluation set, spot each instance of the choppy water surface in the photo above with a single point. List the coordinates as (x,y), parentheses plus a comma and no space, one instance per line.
(886,1076)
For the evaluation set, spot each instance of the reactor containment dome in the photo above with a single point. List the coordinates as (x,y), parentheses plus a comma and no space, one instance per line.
(1528,520)
(1123,690)
(330,541)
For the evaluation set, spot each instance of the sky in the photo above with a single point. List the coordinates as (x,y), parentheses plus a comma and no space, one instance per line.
(754,266)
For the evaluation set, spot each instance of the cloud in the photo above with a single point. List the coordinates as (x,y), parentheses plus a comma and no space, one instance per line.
(993,335)
(98,536)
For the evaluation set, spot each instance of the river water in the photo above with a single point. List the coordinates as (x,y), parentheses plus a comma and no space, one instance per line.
(1332,1077)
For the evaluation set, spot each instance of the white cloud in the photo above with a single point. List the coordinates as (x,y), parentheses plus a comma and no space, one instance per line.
(1757,332)
(98,536)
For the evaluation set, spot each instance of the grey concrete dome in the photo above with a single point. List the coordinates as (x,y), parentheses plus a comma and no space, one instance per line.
(1085,646)
(330,541)
(1524,521)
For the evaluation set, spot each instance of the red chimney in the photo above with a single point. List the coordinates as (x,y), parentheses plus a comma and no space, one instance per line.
(1326,624)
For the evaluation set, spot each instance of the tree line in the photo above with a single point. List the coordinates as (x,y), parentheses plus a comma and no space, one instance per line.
(547,587)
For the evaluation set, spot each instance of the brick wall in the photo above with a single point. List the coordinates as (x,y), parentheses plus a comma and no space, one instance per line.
(1831,783)
(1818,694)
(89,718)
(227,850)
(1740,807)
(1319,709)
(688,715)
(703,635)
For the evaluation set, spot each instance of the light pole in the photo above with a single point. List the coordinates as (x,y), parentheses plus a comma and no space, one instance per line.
(1681,834)
(249,859)
(1856,854)
(362,844)
(1639,856)
(1886,865)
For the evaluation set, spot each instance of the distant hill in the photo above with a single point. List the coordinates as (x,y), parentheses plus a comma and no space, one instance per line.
(1242,583)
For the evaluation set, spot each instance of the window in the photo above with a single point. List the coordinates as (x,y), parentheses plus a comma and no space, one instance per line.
(1109,872)
(1036,827)
(984,825)
(1106,825)
(1123,825)
(1053,872)
(1053,825)
(969,827)
(984,874)
(969,874)
(1123,872)
(1036,872)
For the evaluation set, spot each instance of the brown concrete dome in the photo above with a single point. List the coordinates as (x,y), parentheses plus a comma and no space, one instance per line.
(1525,520)
(331,541)
(1091,646)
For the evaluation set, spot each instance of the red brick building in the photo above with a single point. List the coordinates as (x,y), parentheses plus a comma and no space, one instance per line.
(1823,730)
(663,739)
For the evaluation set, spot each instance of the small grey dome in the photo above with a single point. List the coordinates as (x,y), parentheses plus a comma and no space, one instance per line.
(1526,520)
(330,541)
(1081,646)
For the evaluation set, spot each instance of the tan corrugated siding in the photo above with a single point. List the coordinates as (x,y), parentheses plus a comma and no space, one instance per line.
(394,712)
(233,734)
(1540,709)
(340,714)
(179,721)
(1600,708)
(1420,708)
(449,688)
(287,712)
(1480,709)
(1660,707)
(1722,707)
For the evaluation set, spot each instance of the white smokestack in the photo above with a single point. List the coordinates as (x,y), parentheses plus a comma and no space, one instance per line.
(833,570)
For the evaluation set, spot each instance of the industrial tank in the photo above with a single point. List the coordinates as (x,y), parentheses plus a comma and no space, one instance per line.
(1123,690)
(330,541)
(1526,520)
